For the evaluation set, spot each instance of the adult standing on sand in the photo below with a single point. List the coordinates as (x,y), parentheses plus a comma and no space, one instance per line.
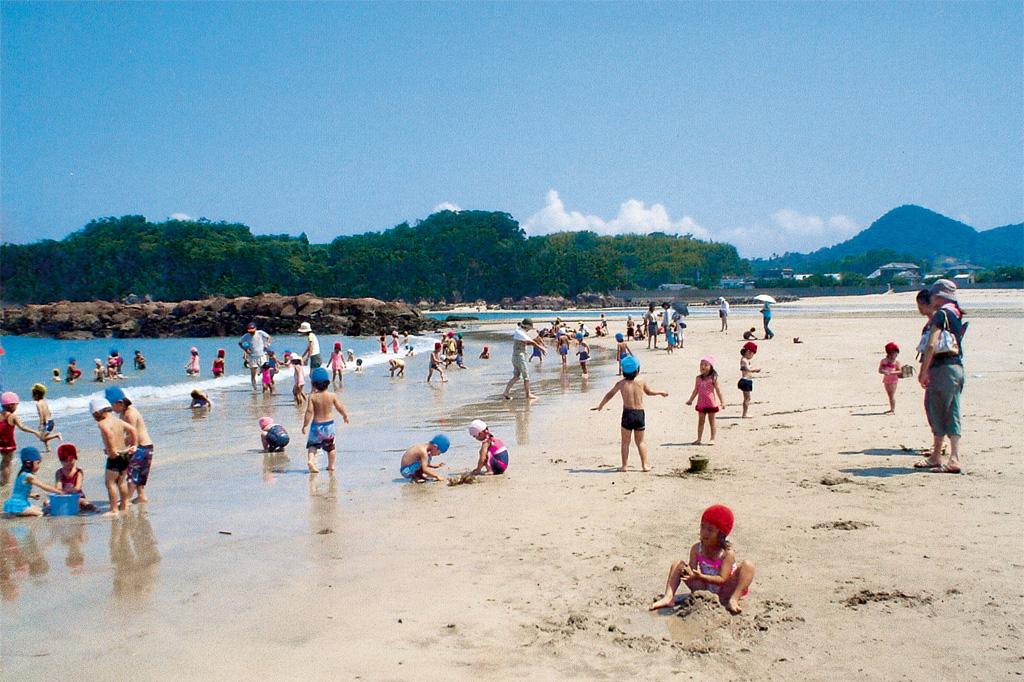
(723,313)
(312,352)
(520,369)
(651,322)
(942,376)
(254,346)
(766,319)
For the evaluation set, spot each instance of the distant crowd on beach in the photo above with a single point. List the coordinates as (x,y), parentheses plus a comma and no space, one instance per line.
(711,565)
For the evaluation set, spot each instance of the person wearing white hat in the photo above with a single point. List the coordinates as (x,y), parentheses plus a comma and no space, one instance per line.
(312,352)
(493,452)
(521,338)
(116,434)
(723,313)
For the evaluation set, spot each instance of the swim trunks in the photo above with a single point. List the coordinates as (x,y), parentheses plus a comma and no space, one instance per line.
(321,436)
(745,385)
(633,420)
(584,356)
(138,465)
(48,426)
(118,463)
(410,470)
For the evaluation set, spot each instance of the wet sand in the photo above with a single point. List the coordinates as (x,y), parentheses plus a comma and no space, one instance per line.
(866,567)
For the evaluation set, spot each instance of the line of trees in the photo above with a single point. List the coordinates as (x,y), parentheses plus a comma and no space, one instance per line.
(453,256)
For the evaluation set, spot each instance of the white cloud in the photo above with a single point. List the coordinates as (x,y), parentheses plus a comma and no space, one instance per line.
(181,216)
(446,206)
(789,230)
(634,217)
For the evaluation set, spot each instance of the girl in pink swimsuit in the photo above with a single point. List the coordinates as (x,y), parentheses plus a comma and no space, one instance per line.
(890,368)
(705,390)
(712,564)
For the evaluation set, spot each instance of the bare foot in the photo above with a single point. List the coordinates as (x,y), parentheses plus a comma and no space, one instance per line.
(663,603)
(506,396)
(645,469)
(696,442)
(330,468)
(622,469)
(110,514)
(532,397)
(312,468)
(733,605)
(711,442)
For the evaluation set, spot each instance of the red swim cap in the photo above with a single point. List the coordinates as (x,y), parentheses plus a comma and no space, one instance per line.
(751,346)
(891,347)
(67,451)
(719,516)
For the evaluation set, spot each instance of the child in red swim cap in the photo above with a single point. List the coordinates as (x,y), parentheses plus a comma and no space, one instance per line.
(712,564)
(890,370)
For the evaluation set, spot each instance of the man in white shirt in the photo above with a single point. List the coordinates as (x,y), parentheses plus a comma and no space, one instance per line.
(312,352)
(520,340)
(723,313)
(254,347)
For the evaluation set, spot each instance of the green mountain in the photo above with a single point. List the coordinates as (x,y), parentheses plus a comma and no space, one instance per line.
(915,234)
(456,256)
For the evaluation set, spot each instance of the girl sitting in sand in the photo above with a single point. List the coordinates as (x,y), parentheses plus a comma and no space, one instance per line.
(890,369)
(705,389)
(493,453)
(712,564)
(17,504)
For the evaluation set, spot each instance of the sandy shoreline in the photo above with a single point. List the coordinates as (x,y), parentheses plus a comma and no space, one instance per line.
(547,573)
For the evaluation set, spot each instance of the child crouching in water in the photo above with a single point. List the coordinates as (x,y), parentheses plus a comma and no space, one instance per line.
(317,420)
(712,564)
(493,453)
(705,388)
(273,436)
(633,421)
(415,463)
(890,368)
(18,504)
(69,477)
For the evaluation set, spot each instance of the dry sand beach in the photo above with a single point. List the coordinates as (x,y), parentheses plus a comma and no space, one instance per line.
(866,568)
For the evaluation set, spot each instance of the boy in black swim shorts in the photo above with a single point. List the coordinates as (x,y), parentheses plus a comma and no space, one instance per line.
(633,421)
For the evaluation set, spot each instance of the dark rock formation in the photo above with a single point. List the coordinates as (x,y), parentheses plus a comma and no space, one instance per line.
(218,316)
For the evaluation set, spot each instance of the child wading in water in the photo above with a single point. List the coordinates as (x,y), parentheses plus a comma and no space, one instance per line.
(337,363)
(583,352)
(746,382)
(43,410)
(317,420)
(298,391)
(705,389)
(273,436)
(711,565)
(633,421)
(9,401)
(192,366)
(435,363)
(18,503)
(890,368)
(493,453)
(218,364)
(415,463)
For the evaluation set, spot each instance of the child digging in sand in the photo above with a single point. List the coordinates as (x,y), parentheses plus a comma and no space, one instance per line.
(711,565)
(705,389)
(415,463)
(18,503)
(890,368)
(493,452)
(317,420)
(273,436)
(633,419)
(69,477)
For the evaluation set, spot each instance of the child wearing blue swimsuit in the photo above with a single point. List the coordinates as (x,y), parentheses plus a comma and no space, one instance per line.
(18,503)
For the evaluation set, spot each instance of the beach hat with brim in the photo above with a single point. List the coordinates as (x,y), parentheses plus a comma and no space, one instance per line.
(304,328)
(527,323)
(944,288)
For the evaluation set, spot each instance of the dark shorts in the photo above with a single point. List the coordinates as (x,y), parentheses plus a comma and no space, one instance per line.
(652,328)
(48,427)
(633,420)
(118,463)
(315,361)
(745,385)
(138,465)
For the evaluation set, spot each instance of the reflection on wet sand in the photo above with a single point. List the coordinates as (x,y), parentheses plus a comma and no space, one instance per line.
(71,535)
(274,463)
(21,557)
(133,556)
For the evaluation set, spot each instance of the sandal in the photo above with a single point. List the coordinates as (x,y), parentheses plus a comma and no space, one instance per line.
(926,464)
(946,469)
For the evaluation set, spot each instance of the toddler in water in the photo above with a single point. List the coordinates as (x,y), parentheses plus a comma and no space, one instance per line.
(272,436)
(485,354)
(72,373)
(218,364)
(99,373)
(890,368)
(56,375)
(705,389)
(69,477)
(267,377)
(199,400)
(317,420)
(337,363)
(192,366)
(435,363)
(396,366)
(583,353)
(43,410)
(18,504)
(493,453)
(8,421)
(415,463)
(633,419)
(563,347)
(746,382)
(140,362)
(711,565)
(351,355)
(298,391)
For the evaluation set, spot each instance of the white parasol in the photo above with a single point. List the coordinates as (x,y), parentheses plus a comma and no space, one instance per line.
(765,298)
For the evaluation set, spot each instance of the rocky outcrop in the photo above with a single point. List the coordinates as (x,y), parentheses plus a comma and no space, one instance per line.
(218,316)
(585,300)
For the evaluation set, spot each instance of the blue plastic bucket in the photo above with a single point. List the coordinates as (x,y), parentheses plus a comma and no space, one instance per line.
(64,505)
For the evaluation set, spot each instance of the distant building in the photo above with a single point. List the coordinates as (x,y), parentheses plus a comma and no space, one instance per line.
(891,271)
(776,273)
(673,287)
(736,283)
(962,272)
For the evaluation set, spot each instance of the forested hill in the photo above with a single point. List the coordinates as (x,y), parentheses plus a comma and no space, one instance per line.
(455,256)
(916,234)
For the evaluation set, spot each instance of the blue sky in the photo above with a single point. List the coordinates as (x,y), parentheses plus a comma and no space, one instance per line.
(775,126)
